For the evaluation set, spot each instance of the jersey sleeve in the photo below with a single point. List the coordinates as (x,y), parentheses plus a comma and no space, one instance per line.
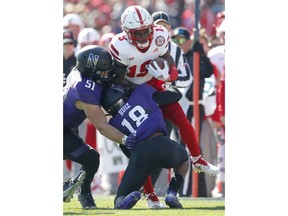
(161,34)
(118,48)
(89,91)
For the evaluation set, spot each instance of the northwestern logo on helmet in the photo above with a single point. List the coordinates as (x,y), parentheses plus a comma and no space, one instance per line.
(92,61)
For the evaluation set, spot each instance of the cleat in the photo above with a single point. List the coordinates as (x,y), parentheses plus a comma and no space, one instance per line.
(87,201)
(72,185)
(153,201)
(129,201)
(201,165)
(171,199)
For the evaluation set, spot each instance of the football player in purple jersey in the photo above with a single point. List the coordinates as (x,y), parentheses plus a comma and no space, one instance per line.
(82,94)
(138,113)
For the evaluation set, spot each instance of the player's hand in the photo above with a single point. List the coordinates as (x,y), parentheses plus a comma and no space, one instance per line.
(157,72)
(130,140)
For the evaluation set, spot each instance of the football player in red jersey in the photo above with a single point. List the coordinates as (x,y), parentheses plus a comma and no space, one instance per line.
(133,49)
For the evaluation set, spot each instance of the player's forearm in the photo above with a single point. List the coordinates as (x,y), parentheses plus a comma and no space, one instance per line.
(111,133)
(96,115)
(170,95)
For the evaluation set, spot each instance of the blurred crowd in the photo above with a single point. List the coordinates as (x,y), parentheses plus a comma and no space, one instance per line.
(104,15)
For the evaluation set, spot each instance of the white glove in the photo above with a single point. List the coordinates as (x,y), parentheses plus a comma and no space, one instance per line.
(158,73)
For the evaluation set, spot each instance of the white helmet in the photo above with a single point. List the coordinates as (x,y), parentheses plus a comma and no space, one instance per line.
(136,18)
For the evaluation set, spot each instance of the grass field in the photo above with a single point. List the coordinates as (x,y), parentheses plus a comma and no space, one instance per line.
(191,207)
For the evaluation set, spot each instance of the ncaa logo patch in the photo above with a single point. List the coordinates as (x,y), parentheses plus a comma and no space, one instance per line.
(160,40)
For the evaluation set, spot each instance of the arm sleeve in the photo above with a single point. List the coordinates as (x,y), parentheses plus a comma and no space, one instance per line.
(120,69)
(170,95)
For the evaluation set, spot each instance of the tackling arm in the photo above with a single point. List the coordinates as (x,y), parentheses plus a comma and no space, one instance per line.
(170,95)
(120,71)
(96,115)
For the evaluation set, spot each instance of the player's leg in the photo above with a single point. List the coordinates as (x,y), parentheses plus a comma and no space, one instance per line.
(172,155)
(150,194)
(133,179)
(175,183)
(128,192)
(188,136)
(174,113)
(76,150)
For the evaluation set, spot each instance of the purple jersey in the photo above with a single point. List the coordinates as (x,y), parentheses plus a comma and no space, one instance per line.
(140,113)
(78,88)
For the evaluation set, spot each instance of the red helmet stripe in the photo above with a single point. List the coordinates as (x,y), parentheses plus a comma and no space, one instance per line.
(139,15)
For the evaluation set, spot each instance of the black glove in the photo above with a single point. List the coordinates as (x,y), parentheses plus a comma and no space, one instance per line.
(197,47)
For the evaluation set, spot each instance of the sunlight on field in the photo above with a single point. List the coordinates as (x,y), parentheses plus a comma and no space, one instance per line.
(192,206)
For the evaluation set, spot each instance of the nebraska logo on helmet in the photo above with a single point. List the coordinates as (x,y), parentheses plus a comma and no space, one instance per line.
(160,40)
(92,61)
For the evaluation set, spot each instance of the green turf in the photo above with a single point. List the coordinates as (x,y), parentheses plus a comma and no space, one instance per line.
(191,207)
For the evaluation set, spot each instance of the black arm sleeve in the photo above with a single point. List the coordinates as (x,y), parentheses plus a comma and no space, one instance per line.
(170,95)
(120,71)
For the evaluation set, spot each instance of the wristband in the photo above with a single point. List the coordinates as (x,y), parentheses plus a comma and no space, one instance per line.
(173,73)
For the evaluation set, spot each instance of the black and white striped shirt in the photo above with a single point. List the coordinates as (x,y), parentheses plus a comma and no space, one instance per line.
(184,72)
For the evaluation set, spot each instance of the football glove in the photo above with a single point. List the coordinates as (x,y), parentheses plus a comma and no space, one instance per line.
(129,141)
(157,72)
